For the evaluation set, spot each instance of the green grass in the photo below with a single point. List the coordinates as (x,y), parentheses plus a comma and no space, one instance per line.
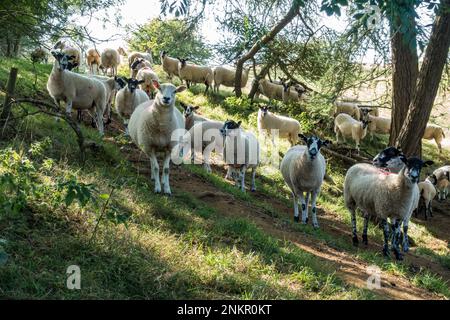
(176,247)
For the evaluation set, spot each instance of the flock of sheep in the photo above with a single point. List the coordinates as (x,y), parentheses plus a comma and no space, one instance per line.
(389,188)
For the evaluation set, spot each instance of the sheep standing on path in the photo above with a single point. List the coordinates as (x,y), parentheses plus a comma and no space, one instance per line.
(110,59)
(288,128)
(384,195)
(193,73)
(151,127)
(303,169)
(241,152)
(78,91)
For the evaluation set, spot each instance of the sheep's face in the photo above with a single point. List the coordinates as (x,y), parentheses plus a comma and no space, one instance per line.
(133,84)
(166,93)
(64,61)
(189,110)
(365,123)
(120,82)
(300,89)
(136,63)
(264,110)
(163,54)
(182,62)
(390,158)
(230,128)
(314,144)
(365,113)
(414,166)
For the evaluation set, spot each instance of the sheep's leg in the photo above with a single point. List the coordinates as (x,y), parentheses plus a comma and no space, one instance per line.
(253,179)
(313,208)
(354,228)
(307,195)
(304,207)
(100,121)
(296,216)
(155,170)
(396,234)
(206,161)
(366,225)
(405,244)
(79,115)
(430,210)
(229,174)
(69,108)
(242,175)
(385,227)
(165,175)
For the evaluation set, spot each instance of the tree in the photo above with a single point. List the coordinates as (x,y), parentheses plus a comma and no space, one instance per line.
(177,37)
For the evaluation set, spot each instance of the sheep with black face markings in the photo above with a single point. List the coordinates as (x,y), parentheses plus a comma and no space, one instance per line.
(384,195)
(190,117)
(169,64)
(303,169)
(137,65)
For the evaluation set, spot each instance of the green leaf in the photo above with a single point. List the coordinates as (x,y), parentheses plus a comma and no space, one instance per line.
(104,196)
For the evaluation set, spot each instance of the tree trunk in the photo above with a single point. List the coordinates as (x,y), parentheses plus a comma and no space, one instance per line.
(292,13)
(429,77)
(404,73)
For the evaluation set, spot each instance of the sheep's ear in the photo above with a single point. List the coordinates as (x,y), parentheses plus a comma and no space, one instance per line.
(180,89)
(303,137)
(427,163)
(196,107)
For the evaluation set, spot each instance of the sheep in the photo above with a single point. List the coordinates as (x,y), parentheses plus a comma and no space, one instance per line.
(270,90)
(71,52)
(128,98)
(137,65)
(347,127)
(151,127)
(379,125)
(78,91)
(384,195)
(241,152)
(143,55)
(169,65)
(435,132)
(149,77)
(39,55)
(390,159)
(303,170)
(93,58)
(427,192)
(110,59)
(193,73)
(287,127)
(226,76)
(292,95)
(442,175)
(349,108)
(190,117)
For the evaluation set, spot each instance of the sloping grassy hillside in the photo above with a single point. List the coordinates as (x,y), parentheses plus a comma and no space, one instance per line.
(130,243)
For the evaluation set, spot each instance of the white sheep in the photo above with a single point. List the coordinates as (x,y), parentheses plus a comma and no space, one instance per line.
(427,192)
(152,126)
(149,77)
(110,59)
(349,108)
(433,131)
(303,169)
(78,91)
(226,76)
(128,98)
(442,175)
(70,51)
(93,58)
(270,90)
(137,65)
(442,188)
(193,73)
(241,152)
(190,117)
(169,64)
(347,127)
(143,55)
(286,127)
(384,195)
(381,125)
(292,93)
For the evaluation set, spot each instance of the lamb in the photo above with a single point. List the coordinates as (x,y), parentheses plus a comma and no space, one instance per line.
(71,52)
(128,98)
(190,117)
(193,73)
(271,90)
(93,58)
(226,76)
(427,192)
(241,152)
(143,55)
(78,91)
(169,65)
(289,95)
(384,195)
(149,77)
(347,127)
(152,127)
(110,59)
(435,132)
(303,169)
(137,65)
(287,127)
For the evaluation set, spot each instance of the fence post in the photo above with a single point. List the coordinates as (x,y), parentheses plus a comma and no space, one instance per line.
(9,94)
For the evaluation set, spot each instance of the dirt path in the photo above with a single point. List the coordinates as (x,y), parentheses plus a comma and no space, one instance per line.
(348,268)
